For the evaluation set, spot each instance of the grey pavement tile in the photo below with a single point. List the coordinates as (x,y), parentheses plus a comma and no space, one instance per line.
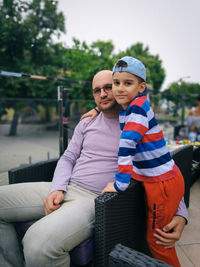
(3,178)
(195,197)
(188,248)
(193,253)
(15,151)
(191,233)
(183,259)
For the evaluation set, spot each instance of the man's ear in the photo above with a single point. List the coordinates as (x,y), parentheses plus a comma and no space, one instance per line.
(142,87)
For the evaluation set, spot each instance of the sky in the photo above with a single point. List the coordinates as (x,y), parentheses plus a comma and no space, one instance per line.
(170,28)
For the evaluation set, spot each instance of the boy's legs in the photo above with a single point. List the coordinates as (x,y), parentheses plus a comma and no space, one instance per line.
(162,200)
(18,202)
(48,241)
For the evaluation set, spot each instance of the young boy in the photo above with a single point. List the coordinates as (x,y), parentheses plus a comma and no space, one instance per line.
(143,154)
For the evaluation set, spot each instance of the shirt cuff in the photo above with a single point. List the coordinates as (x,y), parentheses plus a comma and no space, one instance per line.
(117,188)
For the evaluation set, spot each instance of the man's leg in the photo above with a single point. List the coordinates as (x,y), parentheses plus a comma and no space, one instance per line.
(48,241)
(18,202)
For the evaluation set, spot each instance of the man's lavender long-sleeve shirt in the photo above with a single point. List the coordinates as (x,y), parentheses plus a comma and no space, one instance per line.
(90,160)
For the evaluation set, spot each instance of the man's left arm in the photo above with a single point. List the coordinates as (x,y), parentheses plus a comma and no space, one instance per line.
(182,210)
(63,171)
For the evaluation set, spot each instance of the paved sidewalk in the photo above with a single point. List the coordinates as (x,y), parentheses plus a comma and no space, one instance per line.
(32,144)
(188,248)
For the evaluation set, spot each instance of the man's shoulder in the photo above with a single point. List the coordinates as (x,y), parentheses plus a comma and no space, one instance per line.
(84,122)
(99,120)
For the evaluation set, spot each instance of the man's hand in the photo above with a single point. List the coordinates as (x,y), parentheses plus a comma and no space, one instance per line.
(52,201)
(109,188)
(170,232)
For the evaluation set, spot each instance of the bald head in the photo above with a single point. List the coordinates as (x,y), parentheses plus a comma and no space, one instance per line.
(102,75)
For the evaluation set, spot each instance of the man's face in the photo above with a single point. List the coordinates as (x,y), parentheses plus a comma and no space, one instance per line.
(102,91)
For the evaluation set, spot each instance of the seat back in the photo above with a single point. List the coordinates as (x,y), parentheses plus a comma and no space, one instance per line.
(37,172)
(183,159)
(119,218)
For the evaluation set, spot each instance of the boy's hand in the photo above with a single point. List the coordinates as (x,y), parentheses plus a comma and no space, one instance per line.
(109,188)
(92,113)
(171,232)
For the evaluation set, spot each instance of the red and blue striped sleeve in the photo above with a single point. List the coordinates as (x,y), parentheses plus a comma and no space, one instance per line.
(135,124)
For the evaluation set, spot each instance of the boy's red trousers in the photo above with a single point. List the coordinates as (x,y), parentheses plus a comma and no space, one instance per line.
(162,201)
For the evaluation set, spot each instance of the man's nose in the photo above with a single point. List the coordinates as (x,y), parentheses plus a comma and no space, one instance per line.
(103,93)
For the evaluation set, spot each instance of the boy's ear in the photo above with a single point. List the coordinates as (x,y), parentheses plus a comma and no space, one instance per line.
(142,87)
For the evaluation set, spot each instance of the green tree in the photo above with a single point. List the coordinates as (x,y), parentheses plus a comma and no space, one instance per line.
(27,29)
(182,91)
(26,32)
(84,61)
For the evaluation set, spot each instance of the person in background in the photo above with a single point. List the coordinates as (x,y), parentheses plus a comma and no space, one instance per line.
(64,209)
(193,122)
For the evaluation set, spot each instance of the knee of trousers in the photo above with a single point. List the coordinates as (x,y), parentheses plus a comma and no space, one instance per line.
(40,249)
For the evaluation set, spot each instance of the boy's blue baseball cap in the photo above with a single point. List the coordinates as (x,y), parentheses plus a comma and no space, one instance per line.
(131,65)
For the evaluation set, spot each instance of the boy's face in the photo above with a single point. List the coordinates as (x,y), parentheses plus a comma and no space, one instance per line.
(126,87)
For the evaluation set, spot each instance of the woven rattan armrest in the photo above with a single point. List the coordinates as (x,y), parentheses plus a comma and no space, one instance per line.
(41,171)
(126,257)
(120,218)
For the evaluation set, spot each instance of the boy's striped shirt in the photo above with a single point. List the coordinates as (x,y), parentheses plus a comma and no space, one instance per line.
(143,154)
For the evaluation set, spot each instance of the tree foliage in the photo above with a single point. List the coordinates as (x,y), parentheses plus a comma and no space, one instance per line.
(26,46)
(27,29)
(26,32)
(182,91)
(83,61)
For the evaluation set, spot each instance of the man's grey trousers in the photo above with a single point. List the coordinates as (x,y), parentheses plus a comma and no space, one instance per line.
(48,241)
